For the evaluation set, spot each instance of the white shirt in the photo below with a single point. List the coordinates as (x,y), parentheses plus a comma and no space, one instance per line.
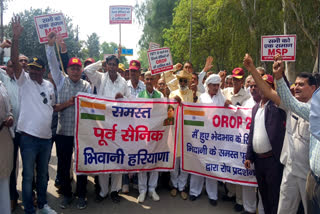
(35,115)
(102,81)
(260,142)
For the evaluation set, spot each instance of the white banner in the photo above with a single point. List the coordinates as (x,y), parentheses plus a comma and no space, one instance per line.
(120,14)
(47,23)
(160,60)
(285,45)
(124,135)
(215,142)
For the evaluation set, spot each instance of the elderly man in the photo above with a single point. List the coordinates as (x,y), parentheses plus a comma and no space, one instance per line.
(183,94)
(236,96)
(297,135)
(37,100)
(6,149)
(214,96)
(111,85)
(67,88)
(228,82)
(135,84)
(149,93)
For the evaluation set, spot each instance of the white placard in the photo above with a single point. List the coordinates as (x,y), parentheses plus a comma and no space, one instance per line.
(285,45)
(120,14)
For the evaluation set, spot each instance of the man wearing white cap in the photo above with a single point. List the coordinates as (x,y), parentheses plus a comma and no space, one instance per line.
(213,96)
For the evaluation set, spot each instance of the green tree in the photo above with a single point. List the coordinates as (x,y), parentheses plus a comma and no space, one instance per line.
(93,46)
(154,15)
(108,48)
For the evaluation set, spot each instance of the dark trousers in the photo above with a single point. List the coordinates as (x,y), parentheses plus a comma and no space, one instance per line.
(269,176)
(14,195)
(313,193)
(64,145)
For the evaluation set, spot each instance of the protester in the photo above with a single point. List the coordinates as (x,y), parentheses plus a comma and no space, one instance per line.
(7,78)
(297,137)
(23,60)
(6,149)
(111,85)
(149,92)
(214,96)
(265,143)
(247,83)
(121,69)
(236,96)
(162,87)
(36,97)
(183,94)
(67,88)
(88,61)
(261,71)
(135,84)
(228,82)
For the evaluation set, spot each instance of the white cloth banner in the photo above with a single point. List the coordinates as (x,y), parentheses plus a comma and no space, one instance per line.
(124,135)
(215,142)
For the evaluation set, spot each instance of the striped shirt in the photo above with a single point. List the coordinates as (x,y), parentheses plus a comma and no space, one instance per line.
(303,110)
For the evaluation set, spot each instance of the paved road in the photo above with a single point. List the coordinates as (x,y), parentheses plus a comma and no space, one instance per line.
(128,204)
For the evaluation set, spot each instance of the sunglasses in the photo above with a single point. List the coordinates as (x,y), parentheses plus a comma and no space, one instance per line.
(45,100)
(183,80)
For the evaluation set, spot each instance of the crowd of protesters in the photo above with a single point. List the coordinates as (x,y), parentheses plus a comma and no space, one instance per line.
(35,113)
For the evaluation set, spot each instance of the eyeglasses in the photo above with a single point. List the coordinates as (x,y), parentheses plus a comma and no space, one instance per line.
(147,79)
(253,86)
(45,100)
(183,80)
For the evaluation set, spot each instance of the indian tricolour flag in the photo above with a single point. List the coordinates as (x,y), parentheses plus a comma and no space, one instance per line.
(92,111)
(193,118)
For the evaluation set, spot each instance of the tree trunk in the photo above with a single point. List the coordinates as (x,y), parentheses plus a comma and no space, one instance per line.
(290,71)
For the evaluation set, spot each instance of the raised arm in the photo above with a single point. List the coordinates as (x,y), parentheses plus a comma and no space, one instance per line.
(287,99)
(16,30)
(93,74)
(57,75)
(262,85)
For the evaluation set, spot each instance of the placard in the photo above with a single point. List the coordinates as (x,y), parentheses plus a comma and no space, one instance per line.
(160,60)
(285,45)
(120,14)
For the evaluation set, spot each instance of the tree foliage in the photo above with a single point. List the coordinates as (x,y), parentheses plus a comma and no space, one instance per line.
(93,46)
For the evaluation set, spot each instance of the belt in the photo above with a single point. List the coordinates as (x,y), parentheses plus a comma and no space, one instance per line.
(316,177)
(264,155)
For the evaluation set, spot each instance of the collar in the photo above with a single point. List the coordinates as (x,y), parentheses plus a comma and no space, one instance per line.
(140,84)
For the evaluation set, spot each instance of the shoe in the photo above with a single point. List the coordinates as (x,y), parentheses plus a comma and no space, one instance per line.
(57,183)
(174,192)
(154,196)
(141,197)
(213,202)
(81,203)
(99,198)
(14,204)
(184,195)
(238,208)
(192,197)
(115,197)
(46,210)
(227,198)
(125,188)
(66,201)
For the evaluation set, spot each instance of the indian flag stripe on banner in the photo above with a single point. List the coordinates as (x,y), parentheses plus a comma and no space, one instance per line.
(92,111)
(93,105)
(193,118)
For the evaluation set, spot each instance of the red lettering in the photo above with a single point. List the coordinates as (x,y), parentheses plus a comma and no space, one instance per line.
(271,52)
(232,122)
(161,61)
(284,51)
(239,122)
(248,120)
(216,124)
(224,121)
(54,29)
